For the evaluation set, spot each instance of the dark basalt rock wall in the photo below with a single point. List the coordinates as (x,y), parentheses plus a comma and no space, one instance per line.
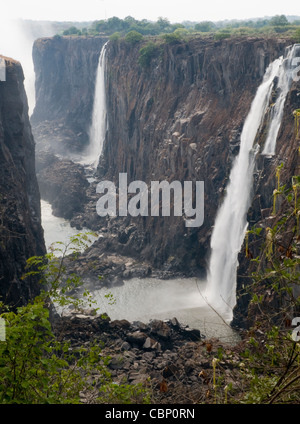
(21,234)
(63,184)
(180,119)
(65,69)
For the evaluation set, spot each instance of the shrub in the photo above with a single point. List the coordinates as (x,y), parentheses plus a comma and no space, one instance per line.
(297,35)
(147,53)
(115,37)
(222,35)
(72,31)
(133,37)
(35,367)
(182,32)
(172,38)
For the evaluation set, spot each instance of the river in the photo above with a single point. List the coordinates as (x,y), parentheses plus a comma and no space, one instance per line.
(148,298)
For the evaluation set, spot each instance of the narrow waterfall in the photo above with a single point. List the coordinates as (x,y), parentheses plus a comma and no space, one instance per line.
(231,221)
(98,126)
(285,78)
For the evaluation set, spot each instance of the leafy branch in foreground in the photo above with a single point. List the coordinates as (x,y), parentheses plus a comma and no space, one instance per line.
(37,368)
(58,284)
(272,356)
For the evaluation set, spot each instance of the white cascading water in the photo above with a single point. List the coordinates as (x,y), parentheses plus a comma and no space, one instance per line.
(231,221)
(285,78)
(98,126)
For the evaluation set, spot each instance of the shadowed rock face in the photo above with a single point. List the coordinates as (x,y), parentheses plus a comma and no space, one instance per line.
(21,234)
(64,185)
(179,119)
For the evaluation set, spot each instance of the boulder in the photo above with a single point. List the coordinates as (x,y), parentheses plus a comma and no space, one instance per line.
(160,329)
(64,185)
(137,338)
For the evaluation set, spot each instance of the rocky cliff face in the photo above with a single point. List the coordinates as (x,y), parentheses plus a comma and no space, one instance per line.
(21,234)
(65,69)
(180,119)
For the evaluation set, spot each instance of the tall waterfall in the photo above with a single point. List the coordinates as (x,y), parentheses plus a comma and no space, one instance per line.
(98,126)
(285,78)
(231,221)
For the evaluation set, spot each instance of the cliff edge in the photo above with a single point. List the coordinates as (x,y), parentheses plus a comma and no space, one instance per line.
(21,233)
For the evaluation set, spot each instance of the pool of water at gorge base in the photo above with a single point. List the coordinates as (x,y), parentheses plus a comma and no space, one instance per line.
(148,298)
(143,299)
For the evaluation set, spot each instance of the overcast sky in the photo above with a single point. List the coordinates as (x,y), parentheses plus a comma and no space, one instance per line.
(174,10)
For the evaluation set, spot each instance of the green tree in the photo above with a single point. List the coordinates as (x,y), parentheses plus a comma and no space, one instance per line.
(115,24)
(72,31)
(163,24)
(279,20)
(205,26)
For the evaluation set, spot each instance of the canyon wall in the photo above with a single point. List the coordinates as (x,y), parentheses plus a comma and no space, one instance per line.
(21,234)
(178,118)
(65,69)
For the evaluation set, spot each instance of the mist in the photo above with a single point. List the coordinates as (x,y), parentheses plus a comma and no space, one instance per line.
(16,40)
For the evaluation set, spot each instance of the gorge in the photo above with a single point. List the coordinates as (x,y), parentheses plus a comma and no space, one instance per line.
(219,115)
(180,118)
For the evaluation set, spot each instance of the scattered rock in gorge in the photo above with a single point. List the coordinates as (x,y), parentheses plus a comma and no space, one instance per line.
(172,360)
(21,233)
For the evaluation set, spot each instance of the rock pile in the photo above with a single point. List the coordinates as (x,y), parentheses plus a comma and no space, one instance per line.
(174,361)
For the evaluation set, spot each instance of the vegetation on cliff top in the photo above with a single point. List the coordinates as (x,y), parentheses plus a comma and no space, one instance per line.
(278,25)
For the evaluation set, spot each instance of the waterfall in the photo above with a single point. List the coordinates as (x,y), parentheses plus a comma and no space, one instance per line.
(98,126)
(285,78)
(231,221)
